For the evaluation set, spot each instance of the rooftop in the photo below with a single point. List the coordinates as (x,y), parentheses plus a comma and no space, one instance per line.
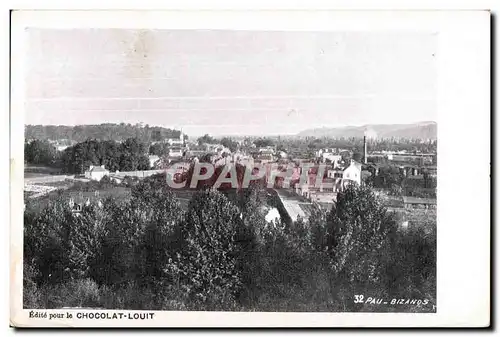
(97,169)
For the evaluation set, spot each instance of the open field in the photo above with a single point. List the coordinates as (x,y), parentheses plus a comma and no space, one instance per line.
(118,192)
(31,171)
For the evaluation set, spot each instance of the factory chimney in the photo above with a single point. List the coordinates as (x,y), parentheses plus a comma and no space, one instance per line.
(365,153)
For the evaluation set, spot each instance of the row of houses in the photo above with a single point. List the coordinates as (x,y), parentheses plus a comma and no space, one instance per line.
(405,169)
(98,172)
(325,190)
(415,159)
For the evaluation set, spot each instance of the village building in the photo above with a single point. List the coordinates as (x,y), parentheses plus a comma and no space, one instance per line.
(334,159)
(267,150)
(153,160)
(175,152)
(96,172)
(326,190)
(264,158)
(351,172)
(176,141)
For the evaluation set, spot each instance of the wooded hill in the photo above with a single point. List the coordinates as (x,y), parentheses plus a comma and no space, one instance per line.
(109,131)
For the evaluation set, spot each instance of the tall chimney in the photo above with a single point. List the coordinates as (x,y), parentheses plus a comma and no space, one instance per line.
(365,157)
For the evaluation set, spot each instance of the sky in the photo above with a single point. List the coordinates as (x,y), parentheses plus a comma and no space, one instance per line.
(230,82)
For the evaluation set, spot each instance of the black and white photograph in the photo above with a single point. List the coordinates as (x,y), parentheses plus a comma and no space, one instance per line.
(229,170)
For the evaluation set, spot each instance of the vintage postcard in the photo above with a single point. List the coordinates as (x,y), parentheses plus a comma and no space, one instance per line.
(246,168)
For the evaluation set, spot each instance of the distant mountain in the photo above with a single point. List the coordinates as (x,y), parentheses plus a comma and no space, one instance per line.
(422,130)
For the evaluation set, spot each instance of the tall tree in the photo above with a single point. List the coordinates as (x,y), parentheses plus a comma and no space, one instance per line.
(263,142)
(46,240)
(40,152)
(127,156)
(229,143)
(86,232)
(118,263)
(206,139)
(208,259)
(161,215)
(358,229)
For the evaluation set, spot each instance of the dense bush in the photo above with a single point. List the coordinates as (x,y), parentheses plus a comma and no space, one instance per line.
(40,152)
(221,254)
(129,155)
(206,265)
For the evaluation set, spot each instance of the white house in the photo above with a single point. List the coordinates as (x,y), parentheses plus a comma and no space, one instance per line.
(172,142)
(353,172)
(152,160)
(96,172)
(273,215)
(350,173)
(176,141)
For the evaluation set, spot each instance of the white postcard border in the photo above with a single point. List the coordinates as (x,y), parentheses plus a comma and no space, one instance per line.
(463,287)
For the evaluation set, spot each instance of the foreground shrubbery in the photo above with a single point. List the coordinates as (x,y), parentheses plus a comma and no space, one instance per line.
(147,253)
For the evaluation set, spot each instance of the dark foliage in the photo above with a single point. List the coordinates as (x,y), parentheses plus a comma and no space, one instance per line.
(40,152)
(103,132)
(229,143)
(263,142)
(206,139)
(129,155)
(221,254)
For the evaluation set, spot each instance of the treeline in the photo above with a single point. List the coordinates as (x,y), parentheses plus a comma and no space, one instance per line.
(390,177)
(385,144)
(221,254)
(312,144)
(354,144)
(108,131)
(129,155)
(41,152)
